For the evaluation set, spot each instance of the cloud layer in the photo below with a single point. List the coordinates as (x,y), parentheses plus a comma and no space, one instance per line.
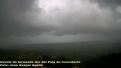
(59,20)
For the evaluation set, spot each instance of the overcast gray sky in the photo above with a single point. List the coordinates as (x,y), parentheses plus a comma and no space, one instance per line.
(44,21)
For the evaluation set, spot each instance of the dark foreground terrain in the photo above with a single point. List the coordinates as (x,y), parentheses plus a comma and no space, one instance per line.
(91,54)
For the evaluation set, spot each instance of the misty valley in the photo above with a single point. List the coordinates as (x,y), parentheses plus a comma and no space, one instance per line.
(90,53)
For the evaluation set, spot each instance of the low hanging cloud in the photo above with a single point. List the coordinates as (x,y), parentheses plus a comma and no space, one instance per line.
(59,20)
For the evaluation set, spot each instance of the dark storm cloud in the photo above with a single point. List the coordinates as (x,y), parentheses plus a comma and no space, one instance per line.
(62,20)
(8,23)
(109,3)
(18,5)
